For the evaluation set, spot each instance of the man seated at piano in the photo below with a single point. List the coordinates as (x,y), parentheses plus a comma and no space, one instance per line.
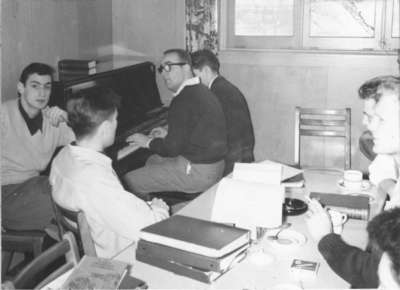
(83,179)
(359,267)
(31,133)
(189,157)
(240,132)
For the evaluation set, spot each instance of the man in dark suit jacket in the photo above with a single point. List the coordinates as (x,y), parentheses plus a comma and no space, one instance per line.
(237,115)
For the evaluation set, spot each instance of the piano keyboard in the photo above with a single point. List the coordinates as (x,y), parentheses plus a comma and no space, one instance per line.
(131,147)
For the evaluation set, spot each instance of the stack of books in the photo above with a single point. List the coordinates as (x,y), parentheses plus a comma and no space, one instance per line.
(69,69)
(195,248)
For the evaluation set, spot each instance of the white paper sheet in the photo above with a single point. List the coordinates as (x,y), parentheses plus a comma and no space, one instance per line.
(248,204)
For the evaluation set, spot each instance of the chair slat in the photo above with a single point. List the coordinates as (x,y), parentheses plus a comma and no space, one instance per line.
(325,123)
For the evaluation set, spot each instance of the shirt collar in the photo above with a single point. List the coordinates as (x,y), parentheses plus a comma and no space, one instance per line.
(90,154)
(188,82)
(212,81)
(34,124)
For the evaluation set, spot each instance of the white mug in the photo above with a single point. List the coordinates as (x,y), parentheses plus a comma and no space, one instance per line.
(352,179)
(338,219)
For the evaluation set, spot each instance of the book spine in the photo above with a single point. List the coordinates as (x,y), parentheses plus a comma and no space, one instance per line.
(180,256)
(77,71)
(175,268)
(75,63)
(361,214)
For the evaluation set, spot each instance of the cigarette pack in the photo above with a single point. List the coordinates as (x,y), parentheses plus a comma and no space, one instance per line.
(304,270)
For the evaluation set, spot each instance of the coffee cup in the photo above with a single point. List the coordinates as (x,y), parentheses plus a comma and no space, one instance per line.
(352,179)
(338,219)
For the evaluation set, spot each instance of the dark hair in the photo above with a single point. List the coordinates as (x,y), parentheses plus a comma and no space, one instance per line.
(205,57)
(38,68)
(183,55)
(371,89)
(384,232)
(89,108)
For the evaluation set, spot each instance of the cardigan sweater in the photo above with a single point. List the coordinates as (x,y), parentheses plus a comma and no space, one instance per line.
(196,127)
(358,267)
(23,155)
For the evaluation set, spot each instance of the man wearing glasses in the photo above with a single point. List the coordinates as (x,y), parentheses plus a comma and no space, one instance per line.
(189,157)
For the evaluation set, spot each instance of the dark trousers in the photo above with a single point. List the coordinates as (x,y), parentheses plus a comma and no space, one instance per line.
(27,206)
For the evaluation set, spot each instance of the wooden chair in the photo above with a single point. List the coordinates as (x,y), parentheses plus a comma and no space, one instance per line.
(76,222)
(29,242)
(329,123)
(27,278)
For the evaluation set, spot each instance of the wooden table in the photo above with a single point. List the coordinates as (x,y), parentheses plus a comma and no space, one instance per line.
(248,275)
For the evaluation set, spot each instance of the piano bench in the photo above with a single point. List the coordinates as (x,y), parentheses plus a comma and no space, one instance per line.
(174,197)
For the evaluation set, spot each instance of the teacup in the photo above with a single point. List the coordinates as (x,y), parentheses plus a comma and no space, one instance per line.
(338,219)
(352,179)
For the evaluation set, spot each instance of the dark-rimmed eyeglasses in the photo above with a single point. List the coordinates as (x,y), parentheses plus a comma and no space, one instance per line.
(168,66)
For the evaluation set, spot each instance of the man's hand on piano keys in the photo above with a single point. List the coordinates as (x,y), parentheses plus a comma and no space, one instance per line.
(158,132)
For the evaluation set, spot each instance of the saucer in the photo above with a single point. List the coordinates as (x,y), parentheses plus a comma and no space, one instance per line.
(287,238)
(365,185)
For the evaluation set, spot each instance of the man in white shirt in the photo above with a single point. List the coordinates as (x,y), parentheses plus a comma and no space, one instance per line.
(83,179)
(31,132)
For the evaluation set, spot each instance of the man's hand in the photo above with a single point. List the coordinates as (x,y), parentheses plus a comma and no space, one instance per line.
(55,115)
(158,132)
(160,206)
(318,220)
(139,139)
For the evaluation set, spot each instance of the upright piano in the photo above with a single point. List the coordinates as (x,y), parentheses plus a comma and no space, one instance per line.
(141,107)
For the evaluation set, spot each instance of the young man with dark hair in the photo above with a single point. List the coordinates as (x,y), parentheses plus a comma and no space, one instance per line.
(189,157)
(382,118)
(238,121)
(83,179)
(30,133)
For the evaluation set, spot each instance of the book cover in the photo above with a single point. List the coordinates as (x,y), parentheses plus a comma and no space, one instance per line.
(76,63)
(189,258)
(195,235)
(355,206)
(96,273)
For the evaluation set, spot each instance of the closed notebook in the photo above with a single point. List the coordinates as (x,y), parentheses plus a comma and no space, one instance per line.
(195,235)
(189,258)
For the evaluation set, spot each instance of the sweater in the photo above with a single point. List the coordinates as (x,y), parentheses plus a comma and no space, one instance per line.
(240,131)
(358,267)
(23,155)
(196,127)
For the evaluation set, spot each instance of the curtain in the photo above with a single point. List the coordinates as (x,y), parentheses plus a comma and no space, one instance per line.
(201,25)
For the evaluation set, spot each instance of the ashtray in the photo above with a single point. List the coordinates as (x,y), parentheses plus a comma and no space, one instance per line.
(294,206)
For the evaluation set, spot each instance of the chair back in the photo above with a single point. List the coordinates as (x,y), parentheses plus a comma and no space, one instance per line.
(27,278)
(324,123)
(76,222)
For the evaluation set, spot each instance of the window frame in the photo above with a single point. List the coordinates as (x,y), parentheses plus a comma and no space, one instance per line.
(382,40)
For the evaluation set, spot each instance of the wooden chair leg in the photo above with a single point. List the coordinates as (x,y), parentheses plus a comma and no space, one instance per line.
(6,258)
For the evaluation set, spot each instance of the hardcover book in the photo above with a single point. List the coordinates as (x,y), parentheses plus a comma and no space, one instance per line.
(189,258)
(180,269)
(76,63)
(355,206)
(96,273)
(195,235)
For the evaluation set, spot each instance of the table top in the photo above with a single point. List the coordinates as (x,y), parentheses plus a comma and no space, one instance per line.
(249,275)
